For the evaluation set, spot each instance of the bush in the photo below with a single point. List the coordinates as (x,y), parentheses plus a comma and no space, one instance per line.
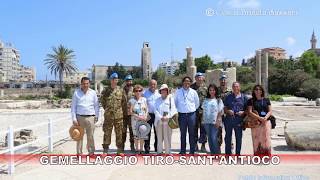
(310,89)
(67,93)
(247,88)
(55,98)
(276,97)
(142,82)
(27,97)
(286,81)
(245,74)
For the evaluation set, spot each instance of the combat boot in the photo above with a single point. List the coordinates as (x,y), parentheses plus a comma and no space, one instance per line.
(120,151)
(105,149)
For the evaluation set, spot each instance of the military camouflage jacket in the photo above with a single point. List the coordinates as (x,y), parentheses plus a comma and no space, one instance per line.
(113,102)
(128,93)
(201,90)
(224,93)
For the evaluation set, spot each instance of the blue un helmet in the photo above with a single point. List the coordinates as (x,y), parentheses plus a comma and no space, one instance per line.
(198,74)
(222,77)
(114,76)
(128,77)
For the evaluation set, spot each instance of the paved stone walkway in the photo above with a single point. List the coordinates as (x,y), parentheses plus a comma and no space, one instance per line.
(297,170)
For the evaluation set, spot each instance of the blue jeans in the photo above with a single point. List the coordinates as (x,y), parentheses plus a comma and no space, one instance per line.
(187,122)
(212,133)
(233,123)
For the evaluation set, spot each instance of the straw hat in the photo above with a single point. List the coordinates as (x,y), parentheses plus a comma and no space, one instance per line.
(76,132)
(143,128)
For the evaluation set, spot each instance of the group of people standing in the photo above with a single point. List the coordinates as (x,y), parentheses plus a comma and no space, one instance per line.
(202,113)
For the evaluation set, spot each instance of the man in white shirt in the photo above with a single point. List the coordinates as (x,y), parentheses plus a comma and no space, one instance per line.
(187,102)
(151,95)
(85,112)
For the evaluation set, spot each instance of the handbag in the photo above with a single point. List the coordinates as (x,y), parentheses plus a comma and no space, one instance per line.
(273,121)
(249,121)
(173,122)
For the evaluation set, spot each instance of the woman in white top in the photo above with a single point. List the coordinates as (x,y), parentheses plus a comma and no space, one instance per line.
(212,117)
(164,109)
(139,112)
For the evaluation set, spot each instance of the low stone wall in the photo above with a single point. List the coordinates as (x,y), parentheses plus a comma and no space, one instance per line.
(11,92)
(294,99)
(30,104)
(35,104)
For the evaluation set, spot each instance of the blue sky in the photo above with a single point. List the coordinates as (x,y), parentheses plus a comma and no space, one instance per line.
(105,32)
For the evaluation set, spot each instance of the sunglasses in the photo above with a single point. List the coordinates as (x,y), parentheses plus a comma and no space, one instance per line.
(140,90)
(258,89)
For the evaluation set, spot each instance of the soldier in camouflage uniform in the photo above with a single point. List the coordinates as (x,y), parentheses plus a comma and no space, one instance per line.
(224,92)
(128,92)
(113,101)
(201,89)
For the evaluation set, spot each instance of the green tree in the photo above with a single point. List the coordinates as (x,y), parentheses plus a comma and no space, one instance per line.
(286,64)
(182,68)
(310,62)
(243,63)
(160,76)
(61,61)
(67,92)
(142,82)
(203,63)
(245,74)
(283,81)
(310,88)
(119,69)
(136,72)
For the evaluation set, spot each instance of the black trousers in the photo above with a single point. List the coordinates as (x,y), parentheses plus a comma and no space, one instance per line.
(147,142)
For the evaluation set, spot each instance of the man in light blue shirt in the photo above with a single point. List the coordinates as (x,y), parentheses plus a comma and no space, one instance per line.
(85,112)
(151,94)
(187,102)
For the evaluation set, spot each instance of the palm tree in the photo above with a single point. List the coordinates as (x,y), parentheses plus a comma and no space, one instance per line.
(61,61)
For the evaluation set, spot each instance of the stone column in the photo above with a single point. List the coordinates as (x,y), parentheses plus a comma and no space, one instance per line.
(258,67)
(264,72)
(146,61)
(191,68)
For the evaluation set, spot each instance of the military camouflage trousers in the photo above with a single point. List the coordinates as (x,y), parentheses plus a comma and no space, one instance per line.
(107,127)
(126,125)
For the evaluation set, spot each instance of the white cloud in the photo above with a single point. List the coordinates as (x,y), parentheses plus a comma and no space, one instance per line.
(290,41)
(244,3)
(250,55)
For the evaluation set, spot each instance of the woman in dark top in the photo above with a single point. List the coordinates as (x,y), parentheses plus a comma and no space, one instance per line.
(259,107)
